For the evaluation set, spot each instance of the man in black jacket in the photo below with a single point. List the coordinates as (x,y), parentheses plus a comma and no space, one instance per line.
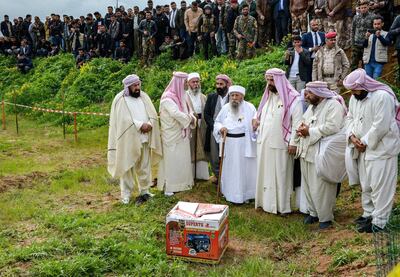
(162,24)
(215,102)
(6,27)
(299,62)
(104,42)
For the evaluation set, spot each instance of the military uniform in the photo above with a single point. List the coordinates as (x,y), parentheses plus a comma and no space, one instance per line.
(207,26)
(299,12)
(264,26)
(347,24)
(336,21)
(320,15)
(361,24)
(331,66)
(247,27)
(148,43)
(231,16)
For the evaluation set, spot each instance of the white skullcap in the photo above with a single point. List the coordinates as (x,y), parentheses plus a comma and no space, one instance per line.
(193,75)
(239,89)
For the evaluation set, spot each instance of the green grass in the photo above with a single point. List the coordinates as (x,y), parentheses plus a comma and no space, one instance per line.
(68,221)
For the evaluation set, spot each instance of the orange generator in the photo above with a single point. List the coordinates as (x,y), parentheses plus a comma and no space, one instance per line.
(197,232)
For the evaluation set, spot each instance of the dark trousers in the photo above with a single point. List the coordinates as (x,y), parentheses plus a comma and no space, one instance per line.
(281,27)
(192,43)
(356,56)
(208,42)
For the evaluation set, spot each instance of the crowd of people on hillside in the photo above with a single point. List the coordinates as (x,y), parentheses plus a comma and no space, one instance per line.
(218,27)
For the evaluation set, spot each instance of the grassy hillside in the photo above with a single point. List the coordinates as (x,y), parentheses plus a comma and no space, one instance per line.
(93,87)
(60,216)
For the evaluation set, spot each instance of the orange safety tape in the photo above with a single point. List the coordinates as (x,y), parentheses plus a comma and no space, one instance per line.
(55,111)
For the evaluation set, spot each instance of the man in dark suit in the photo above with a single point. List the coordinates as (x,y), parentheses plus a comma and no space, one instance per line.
(6,27)
(281,18)
(215,101)
(312,41)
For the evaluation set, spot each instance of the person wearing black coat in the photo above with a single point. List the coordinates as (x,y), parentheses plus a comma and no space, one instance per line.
(6,27)
(104,42)
(214,103)
(162,24)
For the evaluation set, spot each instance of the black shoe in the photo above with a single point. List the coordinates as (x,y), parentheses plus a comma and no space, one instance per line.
(141,199)
(325,225)
(310,219)
(365,228)
(362,220)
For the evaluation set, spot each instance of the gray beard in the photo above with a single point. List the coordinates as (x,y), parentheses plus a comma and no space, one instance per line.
(234,108)
(195,91)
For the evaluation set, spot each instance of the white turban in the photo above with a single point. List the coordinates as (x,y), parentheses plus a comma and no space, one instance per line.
(238,89)
(193,75)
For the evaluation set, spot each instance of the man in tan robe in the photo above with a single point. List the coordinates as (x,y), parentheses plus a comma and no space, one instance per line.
(197,101)
(177,119)
(134,142)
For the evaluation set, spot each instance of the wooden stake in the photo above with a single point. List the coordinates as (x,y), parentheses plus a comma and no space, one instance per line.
(221,162)
(75,128)
(4,113)
(16,112)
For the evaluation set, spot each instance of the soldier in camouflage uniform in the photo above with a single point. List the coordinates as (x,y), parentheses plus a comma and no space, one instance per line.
(207,28)
(231,15)
(265,24)
(245,30)
(335,10)
(148,29)
(347,24)
(299,12)
(320,14)
(362,22)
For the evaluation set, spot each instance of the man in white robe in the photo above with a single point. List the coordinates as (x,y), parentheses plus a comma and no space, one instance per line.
(323,117)
(197,101)
(238,178)
(373,147)
(177,120)
(134,142)
(278,117)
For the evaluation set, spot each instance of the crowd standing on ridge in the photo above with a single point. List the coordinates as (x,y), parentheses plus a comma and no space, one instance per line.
(217,28)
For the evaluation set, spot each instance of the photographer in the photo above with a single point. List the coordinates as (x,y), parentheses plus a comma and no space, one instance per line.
(376,49)
(299,64)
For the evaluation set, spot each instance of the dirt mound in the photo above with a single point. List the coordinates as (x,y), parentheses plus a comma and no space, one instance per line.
(21,181)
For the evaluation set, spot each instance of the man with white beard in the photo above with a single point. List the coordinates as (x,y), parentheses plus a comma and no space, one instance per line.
(279,114)
(197,101)
(373,147)
(176,117)
(134,142)
(233,123)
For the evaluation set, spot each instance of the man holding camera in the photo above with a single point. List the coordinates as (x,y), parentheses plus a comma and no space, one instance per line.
(376,49)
